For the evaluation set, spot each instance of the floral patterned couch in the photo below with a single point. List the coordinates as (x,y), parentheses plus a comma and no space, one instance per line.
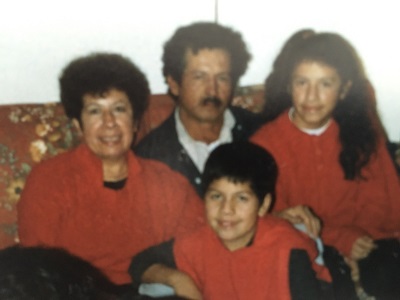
(30,133)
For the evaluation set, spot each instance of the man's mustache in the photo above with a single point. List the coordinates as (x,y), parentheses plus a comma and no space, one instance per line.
(212,100)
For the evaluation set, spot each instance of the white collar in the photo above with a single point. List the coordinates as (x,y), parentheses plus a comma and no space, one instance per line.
(314,131)
(198,150)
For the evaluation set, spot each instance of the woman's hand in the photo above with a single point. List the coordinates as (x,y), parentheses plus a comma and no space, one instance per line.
(302,214)
(355,271)
(362,247)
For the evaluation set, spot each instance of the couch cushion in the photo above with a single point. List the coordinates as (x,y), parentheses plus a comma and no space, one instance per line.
(28,134)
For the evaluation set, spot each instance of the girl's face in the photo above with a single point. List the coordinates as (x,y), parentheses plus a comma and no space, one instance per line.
(316,88)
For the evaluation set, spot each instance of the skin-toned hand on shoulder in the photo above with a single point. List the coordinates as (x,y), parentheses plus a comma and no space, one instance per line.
(302,214)
(362,247)
(355,271)
(183,285)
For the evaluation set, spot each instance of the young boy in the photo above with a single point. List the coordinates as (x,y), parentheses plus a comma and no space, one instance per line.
(243,253)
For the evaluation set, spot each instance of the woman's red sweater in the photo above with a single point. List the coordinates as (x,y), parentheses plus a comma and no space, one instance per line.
(64,204)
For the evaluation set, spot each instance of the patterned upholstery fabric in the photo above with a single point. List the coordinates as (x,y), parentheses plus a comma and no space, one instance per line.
(28,134)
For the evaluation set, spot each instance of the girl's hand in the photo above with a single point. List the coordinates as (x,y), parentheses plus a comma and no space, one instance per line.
(302,214)
(362,247)
(353,265)
(182,283)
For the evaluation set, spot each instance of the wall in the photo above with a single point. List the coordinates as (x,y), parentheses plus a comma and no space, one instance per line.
(37,38)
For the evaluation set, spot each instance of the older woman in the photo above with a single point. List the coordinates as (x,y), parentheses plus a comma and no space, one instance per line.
(99,201)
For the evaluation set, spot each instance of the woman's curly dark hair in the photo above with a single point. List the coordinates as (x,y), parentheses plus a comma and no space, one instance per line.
(356,114)
(204,35)
(96,74)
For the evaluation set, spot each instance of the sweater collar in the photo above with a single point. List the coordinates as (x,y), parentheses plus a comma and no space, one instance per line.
(331,127)
(315,131)
(91,164)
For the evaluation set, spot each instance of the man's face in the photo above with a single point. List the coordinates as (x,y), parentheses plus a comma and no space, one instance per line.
(206,87)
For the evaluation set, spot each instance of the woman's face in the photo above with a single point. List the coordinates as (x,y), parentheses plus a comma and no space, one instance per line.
(315,88)
(107,124)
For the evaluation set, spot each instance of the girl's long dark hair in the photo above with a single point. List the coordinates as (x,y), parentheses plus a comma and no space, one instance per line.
(356,114)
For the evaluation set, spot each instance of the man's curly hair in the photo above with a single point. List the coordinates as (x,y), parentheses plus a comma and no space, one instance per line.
(204,35)
(96,74)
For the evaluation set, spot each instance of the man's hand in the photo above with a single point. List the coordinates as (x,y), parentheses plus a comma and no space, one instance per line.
(183,285)
(302,214)
(362,247)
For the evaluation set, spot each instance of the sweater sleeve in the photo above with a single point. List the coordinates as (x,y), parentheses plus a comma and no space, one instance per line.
(377,204)
(378,199)
(187,259)
(341,237)
(182,209)
(159,254)
(39,211)
(302,278)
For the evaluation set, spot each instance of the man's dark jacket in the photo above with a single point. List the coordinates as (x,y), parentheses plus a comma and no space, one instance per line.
(162,144)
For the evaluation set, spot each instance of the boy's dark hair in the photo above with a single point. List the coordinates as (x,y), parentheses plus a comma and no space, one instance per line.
(96,74)
(36,273)
(242,162)
(204,35)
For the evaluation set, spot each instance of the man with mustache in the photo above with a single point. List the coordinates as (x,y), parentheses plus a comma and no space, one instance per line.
(202,65)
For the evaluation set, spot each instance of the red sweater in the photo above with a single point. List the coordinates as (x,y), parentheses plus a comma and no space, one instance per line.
(257,272)
(310,174)
(64,204)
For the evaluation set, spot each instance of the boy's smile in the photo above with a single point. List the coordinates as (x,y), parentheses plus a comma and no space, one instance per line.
(232,211)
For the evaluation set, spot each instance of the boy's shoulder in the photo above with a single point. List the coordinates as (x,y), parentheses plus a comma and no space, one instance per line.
(196,241)
(196,237)
(276,232)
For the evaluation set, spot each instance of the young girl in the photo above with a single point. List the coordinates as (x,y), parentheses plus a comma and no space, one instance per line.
(324,132)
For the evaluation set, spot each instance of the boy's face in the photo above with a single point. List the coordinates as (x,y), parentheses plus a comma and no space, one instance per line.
(232,210)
